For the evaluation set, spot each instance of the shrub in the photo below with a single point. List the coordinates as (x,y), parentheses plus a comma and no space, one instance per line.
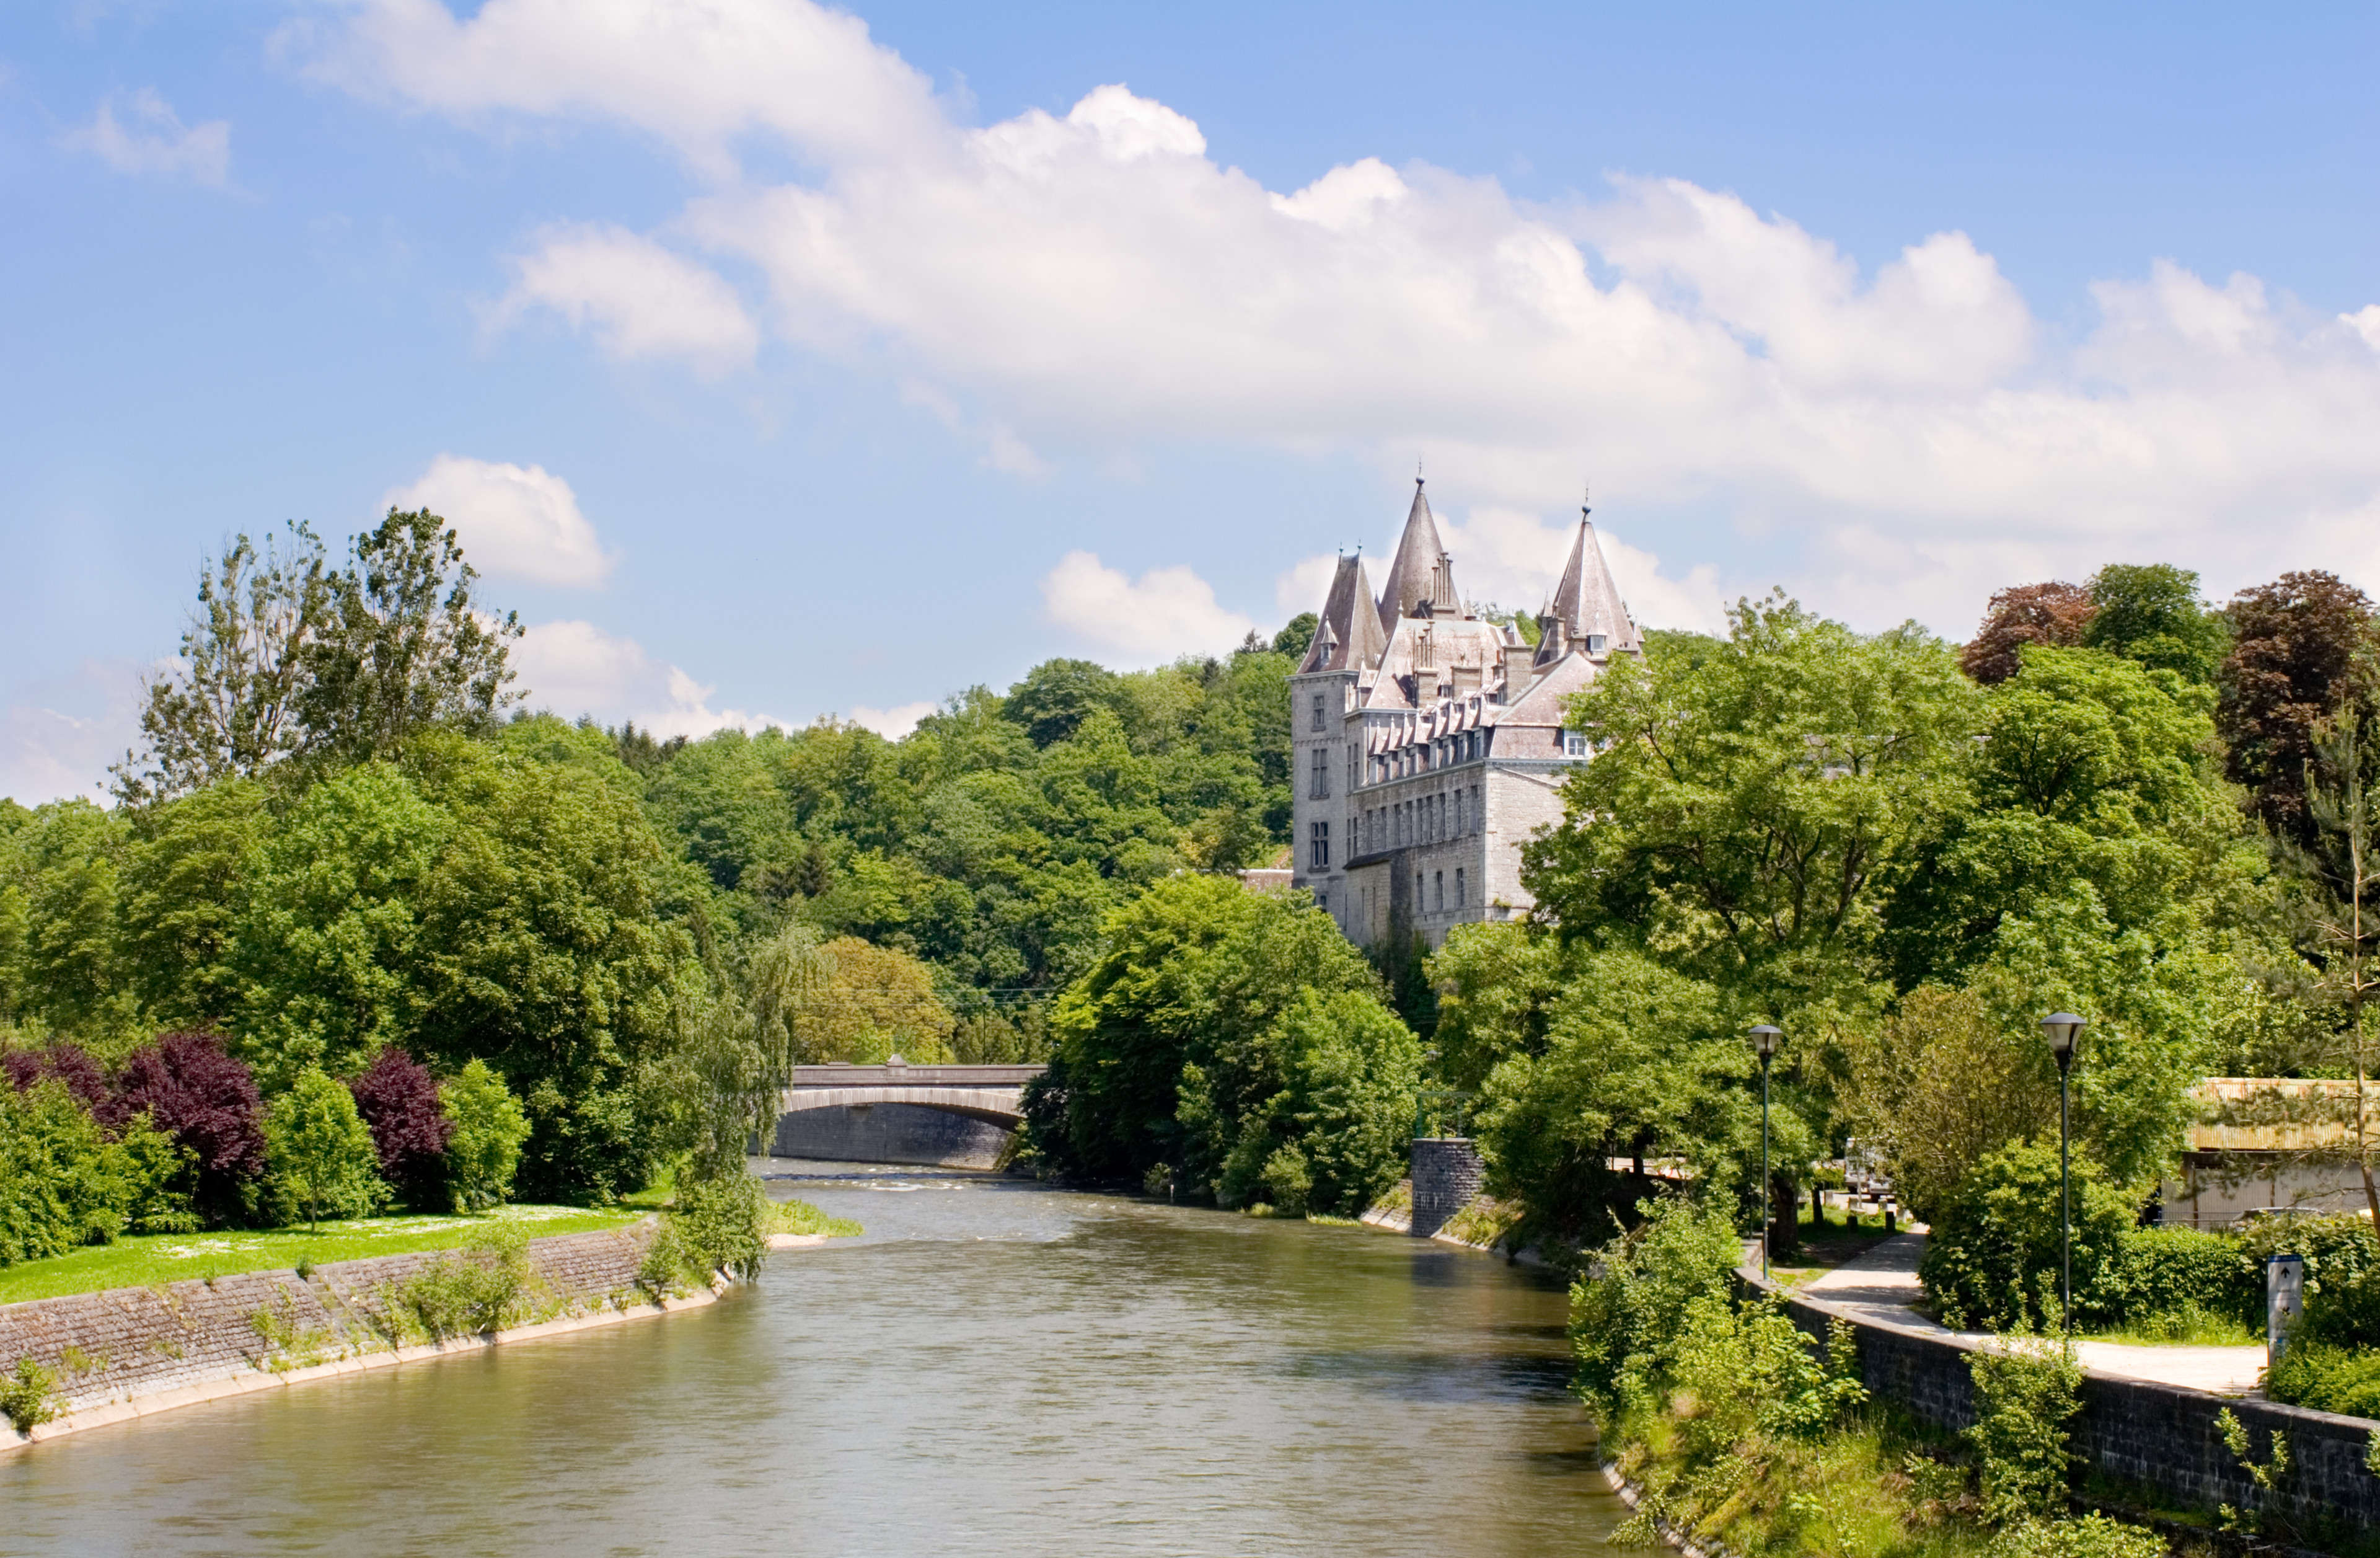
(484,1286)
(196,1092)
(2092,1536)
(62,1183)
(1739,1369)
(1287,1180)
(719,1220)
(663,1270)
(398,1100)
(2335,1248)
(1626,1318)
(483,1150)
(2026,1397)
(2328,1379)
(2173,1274)
(25,1398)
(320,1151)
(1993,1257)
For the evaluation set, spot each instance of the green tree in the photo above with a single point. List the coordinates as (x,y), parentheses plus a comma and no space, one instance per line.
(542,950)
(320,1150)
(402,646)
(484,1151)
(185,884)
(1057,696)
(1637,1063)
(2151,613)
(1296,636)
(1751,808)
(328,953)
(230,707)
(67,871)
(1333,1139)
(1198,972)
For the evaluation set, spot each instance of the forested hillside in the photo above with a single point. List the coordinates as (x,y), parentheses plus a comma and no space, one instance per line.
(992,840)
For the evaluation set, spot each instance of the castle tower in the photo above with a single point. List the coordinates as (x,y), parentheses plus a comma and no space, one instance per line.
(1347,642)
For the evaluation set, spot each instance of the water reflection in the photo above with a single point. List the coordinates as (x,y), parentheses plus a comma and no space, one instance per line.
(994,1369)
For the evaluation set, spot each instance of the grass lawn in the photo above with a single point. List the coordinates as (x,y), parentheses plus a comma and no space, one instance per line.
(146,1261)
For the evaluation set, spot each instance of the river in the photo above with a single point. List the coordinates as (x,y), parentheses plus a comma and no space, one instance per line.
(995,1369)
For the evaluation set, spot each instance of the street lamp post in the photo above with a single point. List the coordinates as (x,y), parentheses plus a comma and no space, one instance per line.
(2064,1028)
(1763,1045)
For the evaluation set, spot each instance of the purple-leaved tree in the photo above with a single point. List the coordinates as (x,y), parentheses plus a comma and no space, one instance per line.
(200,1094)
(398,1100)
(69,1064)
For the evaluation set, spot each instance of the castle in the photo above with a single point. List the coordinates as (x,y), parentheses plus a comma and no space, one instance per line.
(1428,743)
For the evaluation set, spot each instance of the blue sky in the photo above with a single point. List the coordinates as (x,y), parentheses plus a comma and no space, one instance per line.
(777,360)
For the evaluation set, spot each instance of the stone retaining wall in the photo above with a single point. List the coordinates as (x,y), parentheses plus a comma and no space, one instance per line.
(2161,1436)
(137,1342)
(1446,1176)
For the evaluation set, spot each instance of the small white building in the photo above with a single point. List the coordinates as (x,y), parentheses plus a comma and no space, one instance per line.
(1429,743)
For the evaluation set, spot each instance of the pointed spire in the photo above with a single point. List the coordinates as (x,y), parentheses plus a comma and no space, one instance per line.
(1588,600)
(1413,577)
(1349,636)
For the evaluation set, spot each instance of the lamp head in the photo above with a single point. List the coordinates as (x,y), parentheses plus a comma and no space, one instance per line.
(2064,1028)
(1764,1041)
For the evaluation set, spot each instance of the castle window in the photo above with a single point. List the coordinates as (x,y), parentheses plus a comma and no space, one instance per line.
(1319,845)
(1458,887)
(1460,827)
(1321,786)
(1317,710)
(1441,892)
(1322,902)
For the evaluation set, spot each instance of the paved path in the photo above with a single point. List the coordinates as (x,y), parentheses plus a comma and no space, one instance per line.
(1882,1285)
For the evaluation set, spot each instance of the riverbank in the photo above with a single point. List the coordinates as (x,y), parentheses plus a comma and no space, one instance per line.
(88,1359)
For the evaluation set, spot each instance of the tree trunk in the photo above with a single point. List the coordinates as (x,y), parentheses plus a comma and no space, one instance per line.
(1785,1202)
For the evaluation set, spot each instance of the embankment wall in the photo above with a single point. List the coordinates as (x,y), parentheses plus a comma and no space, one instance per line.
(140,1344)
(2160,1436)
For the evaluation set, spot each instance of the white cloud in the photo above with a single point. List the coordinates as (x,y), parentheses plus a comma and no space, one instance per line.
(515,521)
(1303,586)
(1510,558)
(699,75)
(641,299)
(152,139)
(1164,613)
(575,668)
(890,724)
(1912,431)
(58,735)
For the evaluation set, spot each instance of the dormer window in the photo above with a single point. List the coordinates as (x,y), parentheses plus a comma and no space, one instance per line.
(1573,743)
(1595,642)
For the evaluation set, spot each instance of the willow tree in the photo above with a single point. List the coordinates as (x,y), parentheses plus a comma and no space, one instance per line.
(742,1040)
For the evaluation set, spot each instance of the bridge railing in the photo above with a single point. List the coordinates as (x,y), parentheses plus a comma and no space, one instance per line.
(838,1075)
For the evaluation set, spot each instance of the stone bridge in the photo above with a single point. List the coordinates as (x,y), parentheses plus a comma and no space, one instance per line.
(957,1115)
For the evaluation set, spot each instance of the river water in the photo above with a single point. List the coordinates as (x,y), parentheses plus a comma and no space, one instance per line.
(994,1369)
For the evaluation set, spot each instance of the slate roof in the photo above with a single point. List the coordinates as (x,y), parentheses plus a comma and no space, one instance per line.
(1348,637)
(1588,600)
(1421,570)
